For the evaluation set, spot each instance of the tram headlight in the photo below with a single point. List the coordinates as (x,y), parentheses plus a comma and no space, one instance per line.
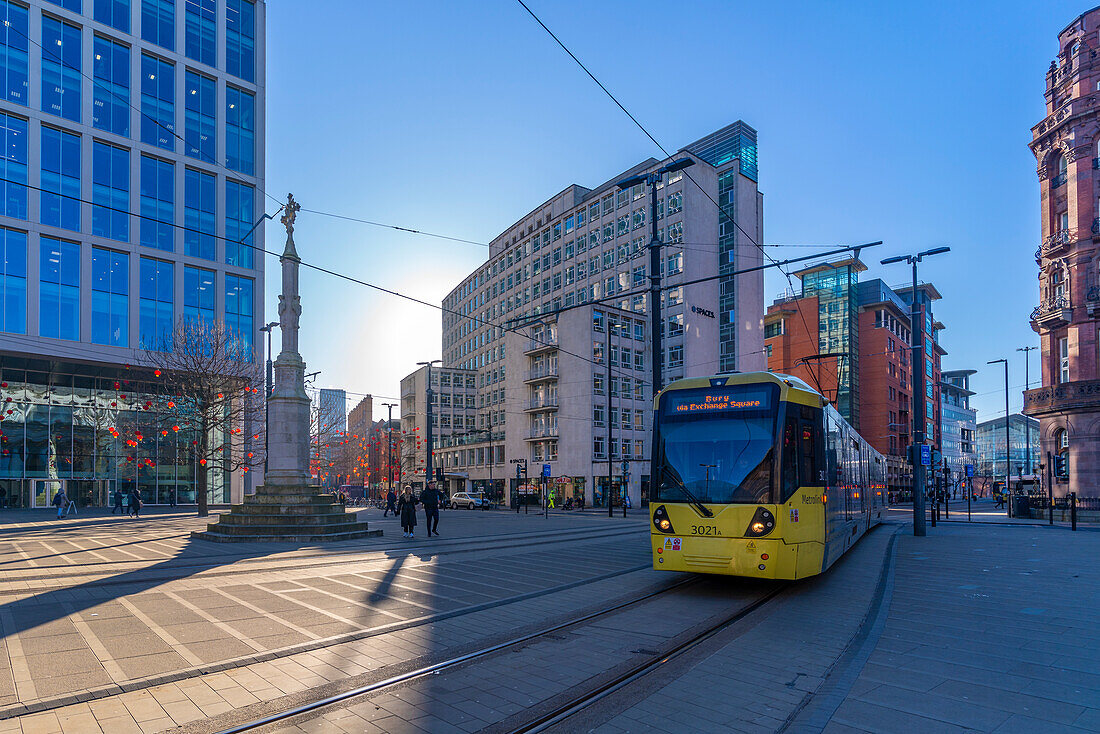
(762,523)
(661,520)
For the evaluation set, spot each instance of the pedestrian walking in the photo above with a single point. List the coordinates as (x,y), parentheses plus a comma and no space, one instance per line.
(406,509)
(117,497)
(60,501)
(431,498)
(135,503)
(1000,500)
(391,504)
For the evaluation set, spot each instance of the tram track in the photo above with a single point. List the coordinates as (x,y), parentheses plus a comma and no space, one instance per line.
(544,718)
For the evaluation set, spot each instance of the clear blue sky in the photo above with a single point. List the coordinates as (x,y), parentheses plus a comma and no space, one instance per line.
(901,122)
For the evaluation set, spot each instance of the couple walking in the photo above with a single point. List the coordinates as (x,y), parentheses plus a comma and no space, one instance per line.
(405,507)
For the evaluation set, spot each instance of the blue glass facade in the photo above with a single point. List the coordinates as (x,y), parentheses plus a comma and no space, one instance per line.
(155,306)
(59,200)
(111,87)
(13,166)
(198,294)
(200,33)
(60,69)
(13,281)
(240,39)
(199,201)
(115,13)
(13,52)
(110,302)
(158,203)
(59,289)
(240,130)
(238,224)
(238,309)
(200,125)
(158,102)
(110,191)
(158,23)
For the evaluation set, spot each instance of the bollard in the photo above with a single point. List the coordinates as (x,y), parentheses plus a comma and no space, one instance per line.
(1073,510)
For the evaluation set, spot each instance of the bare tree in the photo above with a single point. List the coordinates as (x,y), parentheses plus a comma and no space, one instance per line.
(213,390)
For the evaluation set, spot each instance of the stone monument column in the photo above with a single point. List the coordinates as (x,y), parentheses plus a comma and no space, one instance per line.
(287,507)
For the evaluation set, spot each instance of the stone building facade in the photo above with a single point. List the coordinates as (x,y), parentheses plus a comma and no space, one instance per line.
(1066,145)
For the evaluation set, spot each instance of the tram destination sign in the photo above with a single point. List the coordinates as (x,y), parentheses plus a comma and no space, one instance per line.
(714,400)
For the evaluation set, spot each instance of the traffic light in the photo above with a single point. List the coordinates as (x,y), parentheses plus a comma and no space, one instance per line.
(1061,466)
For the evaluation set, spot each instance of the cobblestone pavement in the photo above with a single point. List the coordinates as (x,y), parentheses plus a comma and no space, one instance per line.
(98,606)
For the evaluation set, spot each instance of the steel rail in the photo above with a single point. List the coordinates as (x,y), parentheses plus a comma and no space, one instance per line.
(450,663)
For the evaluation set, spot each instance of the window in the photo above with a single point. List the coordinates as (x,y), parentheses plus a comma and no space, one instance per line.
(199,133)
(198,214)
(59,289)
(111,86)
(13,166)
(676,356)
(240,39)
(110,302)
(676,325)
(158,22)
(622,198)
(13,52)
(675,202)
(60,69)
(675,233)
(1063,360)
(110,191)
(238,311)
(155,320)
(115,13)
(238,223)
(158,102)
(13,281)
(240,130)
(158,203)
(597,384)
(59,198)
(598,447)
(73,5)
(597,415)
(200,36)
(594,211)
(198,294)
(638,219)
(675,263)
(608,232)
(608,203)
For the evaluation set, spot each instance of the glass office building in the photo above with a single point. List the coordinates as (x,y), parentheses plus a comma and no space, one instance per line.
(132,174)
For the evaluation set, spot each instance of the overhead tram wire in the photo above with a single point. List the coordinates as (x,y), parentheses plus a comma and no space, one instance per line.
(649,135)
(158,123)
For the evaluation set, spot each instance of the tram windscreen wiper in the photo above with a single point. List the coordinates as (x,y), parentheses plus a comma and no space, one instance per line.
(692,499)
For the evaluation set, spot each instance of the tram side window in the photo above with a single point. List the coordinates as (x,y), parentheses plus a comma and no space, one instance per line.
(790,458)
(832,453)
(807,455)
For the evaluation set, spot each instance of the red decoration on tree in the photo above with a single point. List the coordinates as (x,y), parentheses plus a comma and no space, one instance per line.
(156,372)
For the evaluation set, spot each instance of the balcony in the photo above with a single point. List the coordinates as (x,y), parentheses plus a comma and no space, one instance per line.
(548,402)
(1059,180)
(546,372)
(1058,240)
(539,434)
(1069,396)
(1051,313)
(543,343)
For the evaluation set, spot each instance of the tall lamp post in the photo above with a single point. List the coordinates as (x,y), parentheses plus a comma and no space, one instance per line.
(428,424)
(268,386)
(1008,440)
(651,179)
(917,364)
(1027,425)
(389,445)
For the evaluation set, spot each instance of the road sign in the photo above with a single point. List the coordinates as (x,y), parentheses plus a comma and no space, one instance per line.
(969,470)
(925,455)
(518,470)
(546,470)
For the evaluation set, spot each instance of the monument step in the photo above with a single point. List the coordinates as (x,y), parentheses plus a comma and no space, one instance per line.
(284,509)
(303,535)
(283,520)
(297,529)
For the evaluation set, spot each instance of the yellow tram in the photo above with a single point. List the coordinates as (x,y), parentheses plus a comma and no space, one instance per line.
(758,475)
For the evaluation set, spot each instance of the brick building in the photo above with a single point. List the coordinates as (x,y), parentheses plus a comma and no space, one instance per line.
(1067,319)
(850,341)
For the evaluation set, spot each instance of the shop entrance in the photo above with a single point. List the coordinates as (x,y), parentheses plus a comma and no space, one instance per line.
(44,490)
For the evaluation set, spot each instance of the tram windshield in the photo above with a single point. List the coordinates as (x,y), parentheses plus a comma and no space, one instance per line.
(716,446)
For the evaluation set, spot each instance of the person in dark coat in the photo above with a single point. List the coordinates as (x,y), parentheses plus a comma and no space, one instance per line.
(118,503)
(431,498)
(135,503)
(406,509)
(391,504)
(61,502)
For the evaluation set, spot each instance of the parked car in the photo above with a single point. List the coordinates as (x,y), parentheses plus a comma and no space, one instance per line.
(469,500)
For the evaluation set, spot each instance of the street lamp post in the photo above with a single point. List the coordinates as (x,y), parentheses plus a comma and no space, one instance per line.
(917,364)
(1027,425)
(269,387)
(1008,438)
(389,445)
(428,423)
(651,179)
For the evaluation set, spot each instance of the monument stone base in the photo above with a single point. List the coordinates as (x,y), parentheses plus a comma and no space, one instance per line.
(288,514)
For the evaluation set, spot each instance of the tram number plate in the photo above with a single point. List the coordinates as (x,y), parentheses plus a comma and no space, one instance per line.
(705,530)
